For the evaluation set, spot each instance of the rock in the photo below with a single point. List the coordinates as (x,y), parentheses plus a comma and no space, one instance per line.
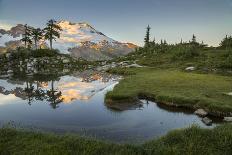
(99,69)
(133,65)
(207,121)
(65,61)
(9,71)
(4,76)
(8,55)
(66,70)
(228,119)
(201,112)
(190,68)
(103,63)
(20,63)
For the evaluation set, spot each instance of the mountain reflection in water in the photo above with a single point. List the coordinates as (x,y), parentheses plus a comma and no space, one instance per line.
(54,89)
(74,103)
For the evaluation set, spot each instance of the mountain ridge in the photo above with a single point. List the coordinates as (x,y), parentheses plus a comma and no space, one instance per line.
(80,40)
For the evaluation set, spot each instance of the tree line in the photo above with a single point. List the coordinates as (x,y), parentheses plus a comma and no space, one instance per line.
(226,43)
(35,35)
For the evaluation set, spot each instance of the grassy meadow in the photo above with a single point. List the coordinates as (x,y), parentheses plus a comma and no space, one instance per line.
(189,141)
(208,91)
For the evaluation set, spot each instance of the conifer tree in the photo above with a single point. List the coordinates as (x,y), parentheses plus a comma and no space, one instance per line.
(52,31)
(165,42)
(161,42)
(147,37)
(226,43)
(37,35)
(194,40)
(26,37)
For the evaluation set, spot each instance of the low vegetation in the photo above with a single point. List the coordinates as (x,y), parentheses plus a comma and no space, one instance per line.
(22,60)
(184,54)
(193,140)
(165,78)
(172,86)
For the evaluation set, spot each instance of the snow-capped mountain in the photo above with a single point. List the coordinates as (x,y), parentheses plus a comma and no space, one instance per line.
(76,39)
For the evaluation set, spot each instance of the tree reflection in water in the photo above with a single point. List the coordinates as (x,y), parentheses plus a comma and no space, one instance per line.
(29,90)
(35,90)
(54,96)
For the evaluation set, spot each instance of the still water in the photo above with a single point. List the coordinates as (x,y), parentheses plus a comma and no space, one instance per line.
(75,104)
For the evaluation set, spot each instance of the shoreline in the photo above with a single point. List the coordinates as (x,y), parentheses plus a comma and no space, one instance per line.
(133,101)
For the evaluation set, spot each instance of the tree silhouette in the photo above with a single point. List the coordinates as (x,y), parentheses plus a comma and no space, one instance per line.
(37,35)
(161,42)
(29,91)
(54,96)
(147,37)
(194,40)
(226,43)
(52,31)
(26,36)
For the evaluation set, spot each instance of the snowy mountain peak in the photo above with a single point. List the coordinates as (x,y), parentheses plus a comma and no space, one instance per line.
(77,33)
(77,39)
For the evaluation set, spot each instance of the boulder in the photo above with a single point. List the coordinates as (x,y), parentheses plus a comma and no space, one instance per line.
(66,61)
(10,71)
(190,68)
(228,119)
(207,121)
(4,76)
(201,112)
(103,63)
(134,66)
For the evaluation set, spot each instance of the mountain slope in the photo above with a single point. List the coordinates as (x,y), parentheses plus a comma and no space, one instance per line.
(76,39)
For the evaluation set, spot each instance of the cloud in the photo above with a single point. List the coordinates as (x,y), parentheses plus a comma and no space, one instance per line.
(4,25)
(7,99)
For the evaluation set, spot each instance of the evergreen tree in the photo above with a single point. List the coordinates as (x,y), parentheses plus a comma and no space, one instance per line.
(226,42)
(26,36)
(153,40)
(165,42)
(52,31)
(194,40)
(147,37)
(37,35)
(161,42)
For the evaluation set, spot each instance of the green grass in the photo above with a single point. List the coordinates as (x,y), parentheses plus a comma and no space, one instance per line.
(194,141)
(173,86)
(190,141)
(207,60)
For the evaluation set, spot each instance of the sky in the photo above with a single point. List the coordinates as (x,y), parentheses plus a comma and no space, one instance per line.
(126,20)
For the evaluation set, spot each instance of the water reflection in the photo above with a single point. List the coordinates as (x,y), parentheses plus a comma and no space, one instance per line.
(75,103)
(53,88)
(32,90)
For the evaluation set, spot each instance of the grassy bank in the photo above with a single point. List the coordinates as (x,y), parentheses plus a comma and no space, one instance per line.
(185,141)
(205,60)
(208,91)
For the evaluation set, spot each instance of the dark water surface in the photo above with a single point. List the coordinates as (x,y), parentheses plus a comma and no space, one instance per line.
(75,104)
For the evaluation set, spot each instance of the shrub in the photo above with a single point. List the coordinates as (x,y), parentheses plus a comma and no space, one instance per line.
(228,61)
(187,52)
(44,53)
